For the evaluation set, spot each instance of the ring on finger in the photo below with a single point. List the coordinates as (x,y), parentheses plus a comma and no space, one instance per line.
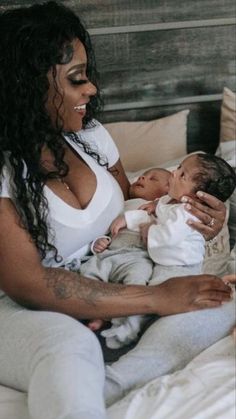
(212,222)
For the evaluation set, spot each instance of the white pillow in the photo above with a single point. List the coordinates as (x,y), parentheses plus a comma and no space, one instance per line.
(228,116)
(217,251)
(144,144)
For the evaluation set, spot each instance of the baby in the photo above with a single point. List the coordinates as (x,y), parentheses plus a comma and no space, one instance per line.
(170,241)
(150,186)
(126,260)
(172,245)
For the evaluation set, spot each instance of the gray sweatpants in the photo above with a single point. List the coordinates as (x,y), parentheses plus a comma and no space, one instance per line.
(127,262)
(59,362)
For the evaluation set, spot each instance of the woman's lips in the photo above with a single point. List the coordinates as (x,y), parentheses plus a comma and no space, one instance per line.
(81,109)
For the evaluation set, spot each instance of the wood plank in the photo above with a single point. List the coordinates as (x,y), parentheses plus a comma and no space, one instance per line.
(163,102)
(166,64)
(7,4)
(203,122)
(163,26)
(132,12)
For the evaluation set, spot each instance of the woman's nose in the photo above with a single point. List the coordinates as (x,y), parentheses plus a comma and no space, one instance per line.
(89,89)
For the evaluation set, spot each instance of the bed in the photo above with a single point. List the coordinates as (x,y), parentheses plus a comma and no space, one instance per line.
(205,388)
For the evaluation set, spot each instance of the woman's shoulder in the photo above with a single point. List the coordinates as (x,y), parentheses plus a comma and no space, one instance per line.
(96,132)
(100,140)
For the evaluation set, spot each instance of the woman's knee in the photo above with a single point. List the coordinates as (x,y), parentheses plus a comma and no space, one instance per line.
(61,334)
(30,337)
(70,362)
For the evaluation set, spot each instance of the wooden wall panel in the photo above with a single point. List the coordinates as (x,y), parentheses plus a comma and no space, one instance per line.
(165,64)
(8,4)
(154,53)
(107,13)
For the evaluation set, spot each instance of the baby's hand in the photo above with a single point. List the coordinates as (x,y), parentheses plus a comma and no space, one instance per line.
(101,244)
(117,225)
(150,207)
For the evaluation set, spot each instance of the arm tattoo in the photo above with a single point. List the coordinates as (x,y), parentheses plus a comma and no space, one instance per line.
(66,284)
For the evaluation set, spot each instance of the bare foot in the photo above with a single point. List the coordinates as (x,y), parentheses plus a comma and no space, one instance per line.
(95,324)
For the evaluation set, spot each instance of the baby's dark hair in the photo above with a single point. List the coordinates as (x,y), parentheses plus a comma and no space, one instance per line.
(215,176)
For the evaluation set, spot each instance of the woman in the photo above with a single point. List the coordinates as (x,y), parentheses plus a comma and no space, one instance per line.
(56,162)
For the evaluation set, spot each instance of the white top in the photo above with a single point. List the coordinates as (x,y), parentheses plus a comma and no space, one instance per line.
(170,241)
(73,229)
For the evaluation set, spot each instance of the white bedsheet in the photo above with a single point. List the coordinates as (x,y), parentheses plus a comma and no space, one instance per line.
(205,389)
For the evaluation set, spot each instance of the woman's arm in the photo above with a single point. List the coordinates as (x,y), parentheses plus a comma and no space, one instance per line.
(117,171)
(26,281)
(209,210)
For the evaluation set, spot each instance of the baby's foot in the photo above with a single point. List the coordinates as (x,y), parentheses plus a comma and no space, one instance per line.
(95,324)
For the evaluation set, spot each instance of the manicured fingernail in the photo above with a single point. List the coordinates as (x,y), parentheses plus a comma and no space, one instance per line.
(187,206)
(189,222)
(200,193)
(184,199)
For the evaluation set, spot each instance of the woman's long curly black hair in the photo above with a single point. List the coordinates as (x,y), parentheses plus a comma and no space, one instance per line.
(33,41)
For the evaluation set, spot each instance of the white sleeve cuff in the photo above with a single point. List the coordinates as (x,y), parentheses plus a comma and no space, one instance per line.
(135,218)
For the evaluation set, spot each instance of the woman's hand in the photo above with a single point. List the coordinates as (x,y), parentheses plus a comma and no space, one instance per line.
(230,279)
(190,293)
(210,211)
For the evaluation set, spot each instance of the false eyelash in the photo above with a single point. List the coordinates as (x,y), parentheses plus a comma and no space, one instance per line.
(77,82)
